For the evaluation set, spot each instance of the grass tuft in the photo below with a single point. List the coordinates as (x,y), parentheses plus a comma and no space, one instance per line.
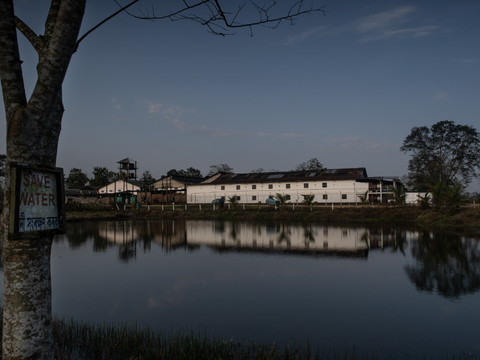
(84,341)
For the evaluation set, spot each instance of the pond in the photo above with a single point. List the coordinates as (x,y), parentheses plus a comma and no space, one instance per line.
(387,289)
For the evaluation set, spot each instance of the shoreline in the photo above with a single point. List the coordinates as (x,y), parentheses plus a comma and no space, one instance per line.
(465,220)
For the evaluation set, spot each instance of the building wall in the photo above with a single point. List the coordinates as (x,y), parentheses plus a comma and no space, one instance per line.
(339,191)
(413,197)
(118,186)
(167,183)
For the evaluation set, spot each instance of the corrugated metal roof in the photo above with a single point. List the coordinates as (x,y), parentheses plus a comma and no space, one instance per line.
(287,176)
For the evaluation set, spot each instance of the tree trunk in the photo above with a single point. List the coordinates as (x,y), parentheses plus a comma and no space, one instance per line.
(27,311)
(33,130)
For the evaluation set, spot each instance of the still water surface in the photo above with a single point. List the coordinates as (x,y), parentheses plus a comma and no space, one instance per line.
(379,288)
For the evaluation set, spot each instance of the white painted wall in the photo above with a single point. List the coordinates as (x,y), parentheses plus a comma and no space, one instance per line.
(412,197)
(118,186)
(205,193)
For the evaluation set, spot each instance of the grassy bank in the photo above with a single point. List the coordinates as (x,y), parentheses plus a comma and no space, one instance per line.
(74,340)
(465,219)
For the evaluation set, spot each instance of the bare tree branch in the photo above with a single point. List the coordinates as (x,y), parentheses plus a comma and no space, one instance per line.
(33,38)
(218,20)
(104,21)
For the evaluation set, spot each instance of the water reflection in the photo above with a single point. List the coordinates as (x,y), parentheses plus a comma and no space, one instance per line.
(384,288)
(446,264)
(231,236)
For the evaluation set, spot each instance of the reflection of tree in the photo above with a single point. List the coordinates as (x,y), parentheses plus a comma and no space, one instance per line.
(219,226)
(234,230)
(127,251)
(285,234)
(308,234)
(396,238)
(445,264)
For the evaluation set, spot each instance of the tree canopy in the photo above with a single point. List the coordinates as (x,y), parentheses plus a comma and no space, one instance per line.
(76,179)
(190,172)
(312,164)
(446,152)
(102,176)
(223,168)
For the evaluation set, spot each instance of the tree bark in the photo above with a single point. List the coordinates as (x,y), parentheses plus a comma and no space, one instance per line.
(33,130)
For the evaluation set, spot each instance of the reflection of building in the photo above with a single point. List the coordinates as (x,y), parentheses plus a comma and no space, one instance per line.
(285,238)
(340,186)
(118,232)
(275,238)
(171,234)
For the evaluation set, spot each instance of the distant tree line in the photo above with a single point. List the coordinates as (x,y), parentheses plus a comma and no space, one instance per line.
(102,176)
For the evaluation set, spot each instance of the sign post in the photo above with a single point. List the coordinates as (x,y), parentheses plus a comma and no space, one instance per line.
(36,202)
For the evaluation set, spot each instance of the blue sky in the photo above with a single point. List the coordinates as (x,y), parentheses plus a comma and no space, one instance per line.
(345,88)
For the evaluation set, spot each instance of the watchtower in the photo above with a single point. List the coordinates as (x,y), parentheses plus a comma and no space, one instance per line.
(127,169)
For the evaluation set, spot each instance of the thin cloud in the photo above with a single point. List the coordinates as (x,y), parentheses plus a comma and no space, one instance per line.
(391,25)
(351,142)
(116,105)
(174,115)
(466,61)
(385,25)
(304,36)
(440,96)
(385,20)
(399,34)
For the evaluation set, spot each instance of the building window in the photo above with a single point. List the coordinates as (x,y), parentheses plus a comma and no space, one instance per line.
(222,187)
(270,186)
(238,187)
(254,187)
(287,186)
(324,184)
(238,197)
(254,198)
(102,191)
(305,185)
(344,196)
(287,197)
(111,190)
(325,197)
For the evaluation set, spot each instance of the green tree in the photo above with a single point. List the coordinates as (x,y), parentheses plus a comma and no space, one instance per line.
(101,176)
(147,180)
(282,198)
(311,165)
(33,131)
(257,171)
(190,172)
(398,194)
(220,168)
(446,197)
(76,179)
(424,201)
(364,198)
(308,199)
(446,152)
(233,200)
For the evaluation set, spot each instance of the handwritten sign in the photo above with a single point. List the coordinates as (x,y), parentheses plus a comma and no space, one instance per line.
(38,204)
(38,201)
